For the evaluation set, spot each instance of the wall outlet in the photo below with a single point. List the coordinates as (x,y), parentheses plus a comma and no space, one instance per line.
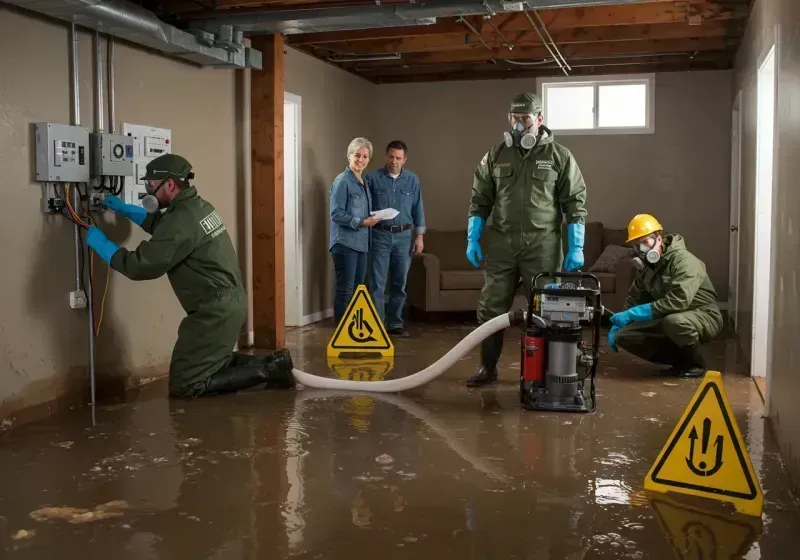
(77,299)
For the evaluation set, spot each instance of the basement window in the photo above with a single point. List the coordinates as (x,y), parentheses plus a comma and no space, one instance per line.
(600,105)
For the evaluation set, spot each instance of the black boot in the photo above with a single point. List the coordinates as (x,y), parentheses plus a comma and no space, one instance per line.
(244,371)
(491,348)
(691,363)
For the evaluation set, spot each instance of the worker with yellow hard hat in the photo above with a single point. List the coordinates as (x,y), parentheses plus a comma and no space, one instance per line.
(671,308)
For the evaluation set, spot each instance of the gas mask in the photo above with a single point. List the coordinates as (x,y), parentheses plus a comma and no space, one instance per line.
(519,136)
(645,254)
(150,202)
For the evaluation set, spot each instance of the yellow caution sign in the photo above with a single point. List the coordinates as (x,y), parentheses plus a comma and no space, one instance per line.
(696,533)
(706,455)
(361,329)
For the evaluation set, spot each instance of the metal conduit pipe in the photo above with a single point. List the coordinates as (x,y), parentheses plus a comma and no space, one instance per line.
(76,121)
(98,45)
(112,126)
(550,38)
(547,46)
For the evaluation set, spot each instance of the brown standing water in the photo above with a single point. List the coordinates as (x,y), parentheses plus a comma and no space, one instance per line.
(440,472)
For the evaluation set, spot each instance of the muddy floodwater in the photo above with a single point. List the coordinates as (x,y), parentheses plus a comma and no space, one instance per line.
(440,472)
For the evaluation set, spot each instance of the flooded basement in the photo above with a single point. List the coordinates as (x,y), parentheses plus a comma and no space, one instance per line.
(442,471)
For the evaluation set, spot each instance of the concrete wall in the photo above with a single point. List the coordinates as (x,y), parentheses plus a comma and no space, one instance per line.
(44,342)
(336,107)
(681,173)
(759,37)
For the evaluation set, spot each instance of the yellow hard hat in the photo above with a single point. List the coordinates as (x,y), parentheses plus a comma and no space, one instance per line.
(642,225)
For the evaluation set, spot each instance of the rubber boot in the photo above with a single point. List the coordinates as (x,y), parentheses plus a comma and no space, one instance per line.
(491,348)
(244,371)
(691,362)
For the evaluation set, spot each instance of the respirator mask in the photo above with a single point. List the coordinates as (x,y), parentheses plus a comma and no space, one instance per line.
(150,202)
(519,136)
(645,254)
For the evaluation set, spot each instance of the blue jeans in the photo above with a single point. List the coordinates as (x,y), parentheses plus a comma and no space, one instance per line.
(350,267)
(390,254)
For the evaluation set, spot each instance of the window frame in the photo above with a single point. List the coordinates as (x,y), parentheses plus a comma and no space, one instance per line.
(648,80)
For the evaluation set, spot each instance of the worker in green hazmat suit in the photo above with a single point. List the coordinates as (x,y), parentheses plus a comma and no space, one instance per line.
(189,243)
(529,184)
(671,308)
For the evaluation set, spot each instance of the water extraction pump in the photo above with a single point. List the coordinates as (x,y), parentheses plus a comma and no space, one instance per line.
(556,361)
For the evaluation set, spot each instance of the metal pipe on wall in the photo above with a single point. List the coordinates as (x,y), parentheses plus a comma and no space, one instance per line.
(112,126)
(76,120)
(98,51)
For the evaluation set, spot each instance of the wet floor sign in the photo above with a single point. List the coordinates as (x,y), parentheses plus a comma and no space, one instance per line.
(706,455)
(361,329)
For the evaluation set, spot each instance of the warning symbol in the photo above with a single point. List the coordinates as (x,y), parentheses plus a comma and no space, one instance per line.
(706,456)
(696,533)
(361,329)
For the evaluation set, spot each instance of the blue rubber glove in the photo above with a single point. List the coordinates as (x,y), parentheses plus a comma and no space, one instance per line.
(134,213)
(98,241)
(633,315)
(474,232)
(574,257)
(612,342)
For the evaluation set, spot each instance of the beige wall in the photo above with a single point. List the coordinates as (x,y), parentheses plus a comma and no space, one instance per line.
(680,174)
(336,107)
(784,383)
(44,342)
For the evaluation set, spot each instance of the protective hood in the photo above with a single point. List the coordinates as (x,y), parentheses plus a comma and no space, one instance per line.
(673,245)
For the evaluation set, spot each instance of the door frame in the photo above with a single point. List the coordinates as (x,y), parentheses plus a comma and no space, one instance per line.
(297,264)
(774,45)
(735,211)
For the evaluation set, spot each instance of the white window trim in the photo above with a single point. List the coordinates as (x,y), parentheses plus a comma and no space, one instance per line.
(648,79)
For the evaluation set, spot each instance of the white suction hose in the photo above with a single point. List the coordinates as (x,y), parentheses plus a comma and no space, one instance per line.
(421,377)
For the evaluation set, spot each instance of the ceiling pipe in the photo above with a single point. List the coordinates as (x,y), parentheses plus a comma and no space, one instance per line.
(371,15)
(549,38)
(547,46)
(127,21)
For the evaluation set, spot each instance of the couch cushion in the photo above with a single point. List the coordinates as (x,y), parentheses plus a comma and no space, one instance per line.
(608,282)
(451,248)
(462,279)
(615,236)
(610,258)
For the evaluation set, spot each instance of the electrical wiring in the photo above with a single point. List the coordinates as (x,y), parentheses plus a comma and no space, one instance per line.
(91,219)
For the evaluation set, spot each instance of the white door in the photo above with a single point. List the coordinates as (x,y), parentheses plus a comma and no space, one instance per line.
(765,143)
(291,210)
(736,185)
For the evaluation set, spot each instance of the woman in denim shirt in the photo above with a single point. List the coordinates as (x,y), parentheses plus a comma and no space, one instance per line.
(351,203)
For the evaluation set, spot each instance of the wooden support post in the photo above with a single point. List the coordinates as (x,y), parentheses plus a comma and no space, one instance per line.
(266,133)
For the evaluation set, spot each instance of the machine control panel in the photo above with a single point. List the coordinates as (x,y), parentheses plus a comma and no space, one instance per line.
(112,155)
(147,143)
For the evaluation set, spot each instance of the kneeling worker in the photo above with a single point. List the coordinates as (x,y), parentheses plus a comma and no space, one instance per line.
(189,243)
(671,307)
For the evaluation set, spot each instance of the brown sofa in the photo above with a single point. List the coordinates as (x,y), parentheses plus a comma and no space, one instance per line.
(442,279)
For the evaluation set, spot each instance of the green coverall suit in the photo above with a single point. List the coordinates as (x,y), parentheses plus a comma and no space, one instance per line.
(684,307)
(190,244)
(528,193)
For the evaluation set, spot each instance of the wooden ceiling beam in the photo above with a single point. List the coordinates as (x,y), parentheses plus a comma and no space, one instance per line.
(566,18)
(454,41)
(649,46)
(632,68)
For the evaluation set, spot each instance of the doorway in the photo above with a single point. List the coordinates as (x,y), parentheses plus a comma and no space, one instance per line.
(736,186)
(291,210)
(763,270)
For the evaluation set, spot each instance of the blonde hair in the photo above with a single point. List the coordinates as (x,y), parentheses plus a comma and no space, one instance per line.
(358,143)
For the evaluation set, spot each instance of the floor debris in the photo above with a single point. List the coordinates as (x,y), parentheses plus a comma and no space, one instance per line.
(80,515)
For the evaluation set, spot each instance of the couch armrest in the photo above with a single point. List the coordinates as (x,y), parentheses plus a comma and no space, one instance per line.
(424,281)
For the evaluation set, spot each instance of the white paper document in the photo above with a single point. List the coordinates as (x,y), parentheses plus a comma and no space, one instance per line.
(385,214)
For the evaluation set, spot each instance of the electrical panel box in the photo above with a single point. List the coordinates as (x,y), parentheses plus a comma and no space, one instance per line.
(112,155)
(62,153)
(148,143)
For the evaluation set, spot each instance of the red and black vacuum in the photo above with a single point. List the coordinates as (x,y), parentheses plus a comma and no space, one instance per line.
(556,362)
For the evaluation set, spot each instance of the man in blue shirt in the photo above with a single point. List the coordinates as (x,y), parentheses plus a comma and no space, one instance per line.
(395,240)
